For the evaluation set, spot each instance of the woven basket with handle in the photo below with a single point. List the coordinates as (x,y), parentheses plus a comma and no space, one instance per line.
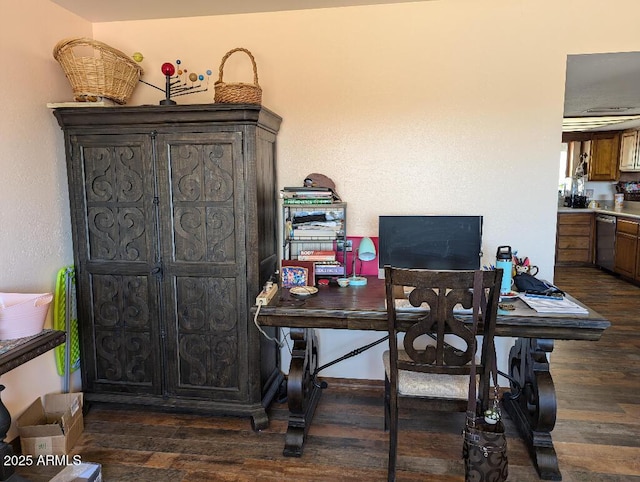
(106,73)
(237,92)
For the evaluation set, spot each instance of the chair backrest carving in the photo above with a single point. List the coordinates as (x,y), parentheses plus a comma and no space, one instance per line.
(447,297)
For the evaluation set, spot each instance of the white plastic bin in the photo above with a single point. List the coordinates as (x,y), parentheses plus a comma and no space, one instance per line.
(23,314)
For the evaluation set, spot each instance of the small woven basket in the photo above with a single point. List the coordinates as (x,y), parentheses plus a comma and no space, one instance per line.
(237,92)
(108,73)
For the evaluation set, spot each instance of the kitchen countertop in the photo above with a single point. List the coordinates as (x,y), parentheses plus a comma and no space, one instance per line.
(629,209)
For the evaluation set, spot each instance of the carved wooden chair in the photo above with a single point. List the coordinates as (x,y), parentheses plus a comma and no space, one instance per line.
(433,369)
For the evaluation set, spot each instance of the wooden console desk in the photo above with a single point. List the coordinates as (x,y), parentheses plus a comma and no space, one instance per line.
(14,353)
(363,308)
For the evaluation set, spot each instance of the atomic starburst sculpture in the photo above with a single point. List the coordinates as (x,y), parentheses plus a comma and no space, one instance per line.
(178,81)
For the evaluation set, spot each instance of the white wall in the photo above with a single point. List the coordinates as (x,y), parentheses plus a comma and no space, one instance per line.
(439,107)
(602,191)
(34,213)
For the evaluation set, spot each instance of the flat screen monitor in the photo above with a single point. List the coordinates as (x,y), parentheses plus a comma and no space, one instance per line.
(430,242)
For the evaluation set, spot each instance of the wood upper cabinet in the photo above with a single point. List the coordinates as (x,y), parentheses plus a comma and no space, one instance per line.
(629,151)
(605,149)
(574,238)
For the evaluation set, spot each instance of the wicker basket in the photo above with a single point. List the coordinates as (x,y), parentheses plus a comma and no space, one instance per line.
(108,73)
(238,92)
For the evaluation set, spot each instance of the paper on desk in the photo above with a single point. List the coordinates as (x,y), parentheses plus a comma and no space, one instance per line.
(555,305)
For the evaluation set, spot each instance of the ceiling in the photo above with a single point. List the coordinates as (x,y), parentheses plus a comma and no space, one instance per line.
(602,91)
(116,10)
(600,87)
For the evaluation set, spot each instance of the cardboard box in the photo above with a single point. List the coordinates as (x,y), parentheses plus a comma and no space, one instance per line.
(85,472)
(52,426)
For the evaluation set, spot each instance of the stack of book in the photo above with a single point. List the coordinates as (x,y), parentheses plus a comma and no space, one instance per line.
(325,261)
(308,195)
(329,269)
(318,255)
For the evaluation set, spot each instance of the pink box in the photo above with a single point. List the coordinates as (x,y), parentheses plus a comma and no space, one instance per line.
(23,314)
(363,268)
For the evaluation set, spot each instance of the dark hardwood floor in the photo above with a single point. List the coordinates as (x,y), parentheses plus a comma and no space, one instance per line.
(597,434)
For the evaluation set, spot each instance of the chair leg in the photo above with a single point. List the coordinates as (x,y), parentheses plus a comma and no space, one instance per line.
(387,391)
(393,436)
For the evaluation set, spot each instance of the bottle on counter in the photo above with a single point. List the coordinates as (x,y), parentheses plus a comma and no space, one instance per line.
(504,260)
(574,193)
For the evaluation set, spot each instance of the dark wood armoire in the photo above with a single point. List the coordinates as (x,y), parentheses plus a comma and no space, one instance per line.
(174,220)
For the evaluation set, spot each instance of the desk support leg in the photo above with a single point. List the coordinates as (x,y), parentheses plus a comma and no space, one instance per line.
(534,411)
(302,393)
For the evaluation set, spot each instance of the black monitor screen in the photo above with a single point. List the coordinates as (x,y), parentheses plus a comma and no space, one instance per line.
(430,242)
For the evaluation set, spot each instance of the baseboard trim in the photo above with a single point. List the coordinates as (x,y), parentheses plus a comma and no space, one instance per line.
(354,383)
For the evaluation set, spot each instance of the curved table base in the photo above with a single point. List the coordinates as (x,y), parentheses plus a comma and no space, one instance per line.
(302,393)
(534,410)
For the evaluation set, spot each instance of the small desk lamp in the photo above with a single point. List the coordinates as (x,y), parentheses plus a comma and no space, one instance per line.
(365,252)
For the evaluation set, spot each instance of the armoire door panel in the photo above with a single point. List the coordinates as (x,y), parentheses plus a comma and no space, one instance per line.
(116,233)
(202,174)
(204,234)
(207,337)
(204,252)
(118,197)
(125,353)
(115,203)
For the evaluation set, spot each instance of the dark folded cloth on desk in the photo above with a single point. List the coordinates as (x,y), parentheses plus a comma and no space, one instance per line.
(526,282)
(309,218)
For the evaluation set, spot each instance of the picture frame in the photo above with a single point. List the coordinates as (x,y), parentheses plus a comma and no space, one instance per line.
(297,273)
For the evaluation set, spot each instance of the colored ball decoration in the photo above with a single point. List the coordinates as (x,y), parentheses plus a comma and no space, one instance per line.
(177,84)
(168,69)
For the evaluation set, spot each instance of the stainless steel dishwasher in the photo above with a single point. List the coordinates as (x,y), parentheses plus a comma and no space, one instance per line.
(605,241)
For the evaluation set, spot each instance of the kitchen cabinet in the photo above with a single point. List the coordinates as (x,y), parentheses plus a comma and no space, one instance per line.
(575,238)
(630,151)
(174,225)
(637,276)
(626,259)
(605,149)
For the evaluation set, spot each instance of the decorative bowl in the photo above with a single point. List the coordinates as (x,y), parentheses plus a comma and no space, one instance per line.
(343,282)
